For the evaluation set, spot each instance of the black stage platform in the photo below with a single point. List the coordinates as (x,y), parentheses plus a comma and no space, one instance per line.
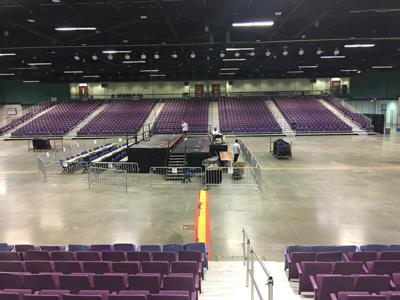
(197,148)
(152,153)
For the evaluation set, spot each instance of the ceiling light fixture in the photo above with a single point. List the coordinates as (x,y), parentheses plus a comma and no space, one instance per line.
(94,56)
(319,51)
(150,71)
(332,56)
(76,57)
(40,64)
(234,59)
(115,51)
(229,69)
(174,55)
(222,54)
(157,75)
(252,54)
(7,74)
(301,51)
(237,54)
(143,17)
(294,72)
(336,51)
(73,72)
(134,62)
(91,76)
(143,56)
(75,28)
(110,57)
(156,55)
(227,73)
(31,20)
(253,24)
(268,53)
(239,49)
(7,54)
(285,52)
(359,45)
(192,55)
(382,67)
(349,70)
(30,81)
(127,57)
(308,67)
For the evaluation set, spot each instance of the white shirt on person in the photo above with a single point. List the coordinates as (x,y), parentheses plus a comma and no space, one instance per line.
(215,132)
(185,126)
(236,148)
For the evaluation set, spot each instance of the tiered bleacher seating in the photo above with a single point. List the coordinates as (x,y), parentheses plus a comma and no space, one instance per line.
(58,121)
(102,271)
(336,272)
(358,118)
(119,117)
(247,115)
(307,114)
(194,112)
(26,115)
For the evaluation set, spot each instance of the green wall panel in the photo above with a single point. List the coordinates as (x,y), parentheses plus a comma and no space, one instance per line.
(376,84)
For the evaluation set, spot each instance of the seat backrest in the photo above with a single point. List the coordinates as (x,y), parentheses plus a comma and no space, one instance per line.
(169,297)
(363,256)
(161,267)
(372,283)
(62,255)
(303,256)
(332,284)
(128,267)
(179,282)
(42,297)
(185,267)
(127,297)
(97,267)
(374,247)
(68,267)
(76,282)
(9,296)
(5,247)
(77,247)
(149,282)
(38,282)
(199,246)
(83,297)
(88,256)
(101,247)
(320,249)
(9,256)
(110,282)
(39,266)
(298,248)
(164,256)
(36,255)
(188,255)
(23,247)
(113,256)
(138,256)
(381,267)
(391,295)
(150,248)
(124,247)
(12,266)
(330,256)
(11,281)
(172,247)
(390,255)
(345,295)
(346,248)
(52,248)
(394,248)
(348,267)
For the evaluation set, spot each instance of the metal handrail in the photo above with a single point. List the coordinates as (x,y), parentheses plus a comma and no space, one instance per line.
(249,257)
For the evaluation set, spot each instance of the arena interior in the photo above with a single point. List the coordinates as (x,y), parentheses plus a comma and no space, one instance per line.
(199,150)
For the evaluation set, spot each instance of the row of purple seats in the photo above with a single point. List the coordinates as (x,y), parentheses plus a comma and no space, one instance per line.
(34,255)
(365,256)
(25,115)
(326,284)
(58,120)
(307,114)
(18,294)
(249,115)
(386,295)
(356,117)
(119,117)
(75,283)
(99,267)
(194,112)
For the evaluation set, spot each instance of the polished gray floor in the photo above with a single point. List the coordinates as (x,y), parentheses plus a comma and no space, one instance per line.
(335,190)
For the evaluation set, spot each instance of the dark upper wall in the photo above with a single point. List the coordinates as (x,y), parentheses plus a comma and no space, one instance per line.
(385,85)
(12,91)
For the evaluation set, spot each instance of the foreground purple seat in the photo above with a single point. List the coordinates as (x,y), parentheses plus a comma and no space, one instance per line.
(98,267)
(62,256)
(110,282)
(14,294)
(68,267)
(88,256)
(124,247)
(178,282)
(138,256)
(390,255)
(172,295)
(83,297)
(164,256)
(330,256)
(9,256)
(36,255)
(362,256)
(12,266)
(348,267)
(113,255)
(38,282)
(298,257)
(149,282)
(294,248)
(102,293)
(188,267)
(307,269)
(324,285)
(354,296)
(130,295)
(161,267)
(128,267)
(43,297)
(381,267)
(39,266)
(372,283)
(11,281)
(391,295)
(76,282)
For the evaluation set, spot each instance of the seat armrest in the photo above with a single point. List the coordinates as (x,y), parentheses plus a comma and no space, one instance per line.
(333,296)
(346,257)
(289,259)
(366,271)
(313,283)
(392,285)
(299,269)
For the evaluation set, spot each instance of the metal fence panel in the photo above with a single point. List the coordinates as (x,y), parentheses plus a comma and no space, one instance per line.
(162,176)
(130,169)
(231,177)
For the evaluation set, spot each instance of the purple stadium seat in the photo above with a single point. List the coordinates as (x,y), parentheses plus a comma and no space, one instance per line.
(352,295)
(149,282)
(83,297)
(62,256)
(177,282)
(329,256)
(12,266)
(9,256)
(298,257)
(372,283)
(39,266)
(43,297)
(36,255)
(138,256)
(76,282)
(68,267)
(113,256)
(307,269)
(348,268)
(11,281)
(124,247)
(97,267)
(161,267)
(164,256)
(190,267)
(391,295)
(23,247)
(101,247)
(381,267)
(128,267)
(52,248)
(88,256)
(103,293)
(37,282)
(324,285)
(110,282)
(390,255)
(362,256)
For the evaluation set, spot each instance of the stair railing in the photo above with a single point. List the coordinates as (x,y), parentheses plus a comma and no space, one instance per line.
(249,257)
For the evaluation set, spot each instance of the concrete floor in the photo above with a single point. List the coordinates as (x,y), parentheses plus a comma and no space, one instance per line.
(335,190)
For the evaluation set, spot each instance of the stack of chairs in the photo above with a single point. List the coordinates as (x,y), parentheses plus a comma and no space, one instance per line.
(194,112)
(346,272)
(102,271)
(246,115)
(309,115)
(119,117)
(58,121)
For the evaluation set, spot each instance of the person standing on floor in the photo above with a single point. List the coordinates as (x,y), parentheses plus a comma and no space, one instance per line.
(185,128)
(236,150)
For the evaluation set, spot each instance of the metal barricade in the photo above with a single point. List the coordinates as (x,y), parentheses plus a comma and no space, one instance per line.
(249,257)
(110,174)
(162,176)
(42,168)
(232,177)
(250,158)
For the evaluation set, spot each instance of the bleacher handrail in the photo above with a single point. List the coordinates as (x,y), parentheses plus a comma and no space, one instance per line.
(249,257)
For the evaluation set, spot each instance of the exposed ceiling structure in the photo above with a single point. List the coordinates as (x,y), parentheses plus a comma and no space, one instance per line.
(112,40)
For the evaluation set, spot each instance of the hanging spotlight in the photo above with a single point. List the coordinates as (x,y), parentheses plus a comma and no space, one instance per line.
(94,57)
(156,55)
(319,51)
(110,57)
(336,52)
(268,52)
(222,54)
(127,57)
(285,52)
(301,51)
(237,54)
(143,56)
(252,54)
(174,55)
(76,57)
(192,55)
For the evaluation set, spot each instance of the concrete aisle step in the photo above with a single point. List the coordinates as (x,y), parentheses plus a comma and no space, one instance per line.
(286,129)
(8,134)
(73,133)
(213,114)
(154,113)
(354,127)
